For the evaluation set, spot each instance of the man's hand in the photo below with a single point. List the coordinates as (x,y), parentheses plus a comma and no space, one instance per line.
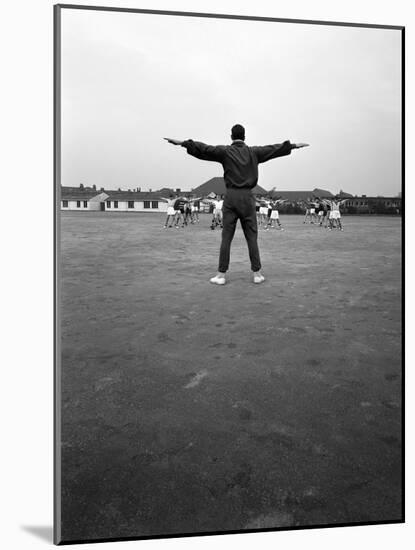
(173,141)
(300,145)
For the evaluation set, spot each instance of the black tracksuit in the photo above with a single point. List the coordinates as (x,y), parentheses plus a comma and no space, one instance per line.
(240,167)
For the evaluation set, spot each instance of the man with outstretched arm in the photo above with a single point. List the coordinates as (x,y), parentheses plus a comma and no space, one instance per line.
(240,166)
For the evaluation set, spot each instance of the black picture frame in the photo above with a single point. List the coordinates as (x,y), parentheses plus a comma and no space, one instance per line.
(59,9)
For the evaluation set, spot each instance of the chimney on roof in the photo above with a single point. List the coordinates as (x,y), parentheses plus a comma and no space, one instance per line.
(177,190)
(81,186)
(94,187)
(138,189)
(119,188)
(102,189)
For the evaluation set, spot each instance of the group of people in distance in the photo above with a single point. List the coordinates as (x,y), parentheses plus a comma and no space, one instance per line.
(182,211)
(324,212)
(267,213)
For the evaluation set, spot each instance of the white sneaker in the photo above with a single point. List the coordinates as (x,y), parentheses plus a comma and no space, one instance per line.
(216,280)
(258,278)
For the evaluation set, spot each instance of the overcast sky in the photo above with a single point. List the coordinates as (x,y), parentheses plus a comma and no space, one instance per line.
(130,79)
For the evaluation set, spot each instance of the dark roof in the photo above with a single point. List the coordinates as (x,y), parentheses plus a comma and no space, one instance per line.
(68,189)
(217,186)
(76,198)
(78,194)
(294,195)
(133,196)
(322,193)
(167,191)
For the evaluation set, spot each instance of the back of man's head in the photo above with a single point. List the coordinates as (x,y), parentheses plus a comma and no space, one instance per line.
(238,132)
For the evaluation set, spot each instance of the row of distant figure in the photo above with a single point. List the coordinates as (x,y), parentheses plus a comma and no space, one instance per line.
(183,211)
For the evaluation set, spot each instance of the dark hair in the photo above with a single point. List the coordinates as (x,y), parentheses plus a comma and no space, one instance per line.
(238,132)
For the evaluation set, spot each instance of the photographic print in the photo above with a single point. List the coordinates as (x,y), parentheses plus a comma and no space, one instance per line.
(228,274)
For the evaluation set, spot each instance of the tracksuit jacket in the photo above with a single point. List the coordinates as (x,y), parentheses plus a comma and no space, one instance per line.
(239,161)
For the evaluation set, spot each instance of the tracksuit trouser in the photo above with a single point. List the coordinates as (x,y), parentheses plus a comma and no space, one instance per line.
(239,204)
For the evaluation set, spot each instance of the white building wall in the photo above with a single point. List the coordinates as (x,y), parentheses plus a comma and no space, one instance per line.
(138,207)
(72,205)
(122,206)
(92,204)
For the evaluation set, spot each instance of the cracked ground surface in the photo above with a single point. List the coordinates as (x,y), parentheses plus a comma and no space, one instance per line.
(192,408)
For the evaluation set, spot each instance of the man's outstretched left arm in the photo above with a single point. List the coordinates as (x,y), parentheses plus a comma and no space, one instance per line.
(268,152)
